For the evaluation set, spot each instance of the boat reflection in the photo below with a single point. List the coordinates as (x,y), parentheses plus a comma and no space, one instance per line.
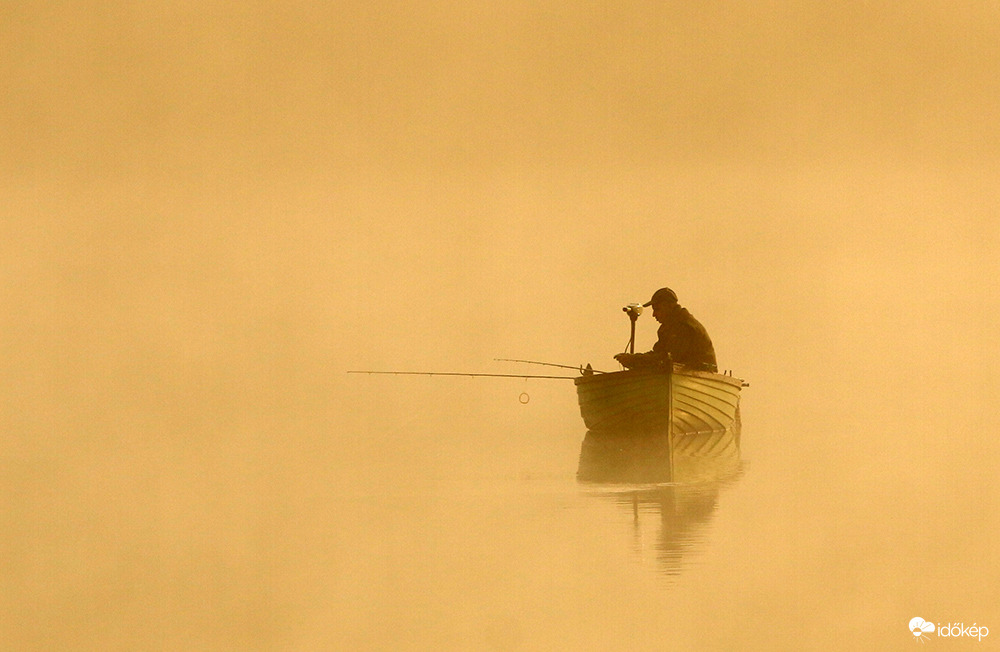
(671,487)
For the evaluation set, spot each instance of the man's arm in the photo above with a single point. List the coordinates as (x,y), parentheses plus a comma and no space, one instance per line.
(641,360)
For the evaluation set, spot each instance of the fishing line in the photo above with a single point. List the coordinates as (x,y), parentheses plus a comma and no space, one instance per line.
(524,397)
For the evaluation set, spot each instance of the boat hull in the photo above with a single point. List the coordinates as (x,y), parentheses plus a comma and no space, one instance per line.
(680,401)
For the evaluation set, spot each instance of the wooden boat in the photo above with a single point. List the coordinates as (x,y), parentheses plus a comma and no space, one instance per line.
(678,400)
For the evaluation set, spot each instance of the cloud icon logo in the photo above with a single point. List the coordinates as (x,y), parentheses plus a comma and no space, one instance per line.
(920,627)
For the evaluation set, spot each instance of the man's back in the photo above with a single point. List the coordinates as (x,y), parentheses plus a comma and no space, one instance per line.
(687,342)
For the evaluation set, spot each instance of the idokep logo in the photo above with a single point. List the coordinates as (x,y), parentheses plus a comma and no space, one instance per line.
(921,629)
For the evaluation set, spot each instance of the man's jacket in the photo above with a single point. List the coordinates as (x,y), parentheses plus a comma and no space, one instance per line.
(685,340)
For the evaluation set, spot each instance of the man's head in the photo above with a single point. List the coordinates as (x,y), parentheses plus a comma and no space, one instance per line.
(664,304)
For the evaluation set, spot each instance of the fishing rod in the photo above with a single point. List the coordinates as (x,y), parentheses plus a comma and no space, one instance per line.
(456,373)
(580,368)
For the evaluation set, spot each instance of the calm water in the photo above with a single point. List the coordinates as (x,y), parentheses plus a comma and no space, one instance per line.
(828,537)
(444,514)
(187,465)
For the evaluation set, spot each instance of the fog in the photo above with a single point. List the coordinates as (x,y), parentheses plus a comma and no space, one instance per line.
(210,212)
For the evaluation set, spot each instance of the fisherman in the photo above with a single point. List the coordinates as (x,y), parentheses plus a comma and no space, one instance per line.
(681,338)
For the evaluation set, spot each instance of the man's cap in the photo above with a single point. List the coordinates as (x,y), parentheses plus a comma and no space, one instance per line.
(663,295)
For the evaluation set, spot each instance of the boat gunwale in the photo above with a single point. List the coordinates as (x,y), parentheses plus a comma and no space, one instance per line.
(636,374)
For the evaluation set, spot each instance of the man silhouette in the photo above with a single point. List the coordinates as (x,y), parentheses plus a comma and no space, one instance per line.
(681,338)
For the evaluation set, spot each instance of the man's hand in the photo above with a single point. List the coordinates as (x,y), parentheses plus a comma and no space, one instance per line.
(625,359)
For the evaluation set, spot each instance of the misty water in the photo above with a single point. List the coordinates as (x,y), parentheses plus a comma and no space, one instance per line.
(223,501)
(211,212)
(472,531)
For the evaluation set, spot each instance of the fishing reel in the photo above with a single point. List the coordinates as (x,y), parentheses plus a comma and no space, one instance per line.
(633,310)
